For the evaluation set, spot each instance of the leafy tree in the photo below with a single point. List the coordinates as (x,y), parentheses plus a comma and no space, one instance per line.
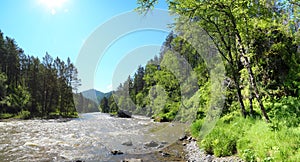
(112,104)
(30,87)
(17,100)
(230,24)
(104,105)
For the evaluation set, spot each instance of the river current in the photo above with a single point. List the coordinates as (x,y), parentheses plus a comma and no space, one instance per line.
(91,137)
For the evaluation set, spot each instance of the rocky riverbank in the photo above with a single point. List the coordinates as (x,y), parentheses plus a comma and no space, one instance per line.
(183,150)
(96,137)
(195,154)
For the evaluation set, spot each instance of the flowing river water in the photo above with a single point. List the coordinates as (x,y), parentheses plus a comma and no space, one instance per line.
(91,137)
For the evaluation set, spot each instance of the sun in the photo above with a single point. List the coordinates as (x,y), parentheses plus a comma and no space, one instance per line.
(52,5)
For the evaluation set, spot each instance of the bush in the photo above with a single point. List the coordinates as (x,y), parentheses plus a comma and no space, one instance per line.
(5,115)
(248,155)
(220,142)
(196,127)
(223,138)
(24,114)
(252,138)
(285,111)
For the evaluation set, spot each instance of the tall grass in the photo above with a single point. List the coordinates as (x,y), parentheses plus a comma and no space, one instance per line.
(251,139)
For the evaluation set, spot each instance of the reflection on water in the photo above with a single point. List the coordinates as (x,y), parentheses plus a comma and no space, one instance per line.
(89,138)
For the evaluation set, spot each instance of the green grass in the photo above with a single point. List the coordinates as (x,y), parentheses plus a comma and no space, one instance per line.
(5,115)
(261,143)
(250,139)
(24,114)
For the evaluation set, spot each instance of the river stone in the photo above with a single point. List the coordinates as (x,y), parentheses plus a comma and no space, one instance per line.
(132,160)
(164,142)
(127,143)
(160,146)
(183,138)
(124,114)
(116,152)
(165,154)
(31,144)
(151,144)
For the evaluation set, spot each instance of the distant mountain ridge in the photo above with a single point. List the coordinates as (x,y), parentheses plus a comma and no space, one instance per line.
(95,95)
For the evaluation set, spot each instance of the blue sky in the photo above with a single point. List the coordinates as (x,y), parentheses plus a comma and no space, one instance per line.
(61,28)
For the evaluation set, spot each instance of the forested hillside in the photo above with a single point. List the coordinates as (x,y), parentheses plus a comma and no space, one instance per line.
(30,87)
(84,104)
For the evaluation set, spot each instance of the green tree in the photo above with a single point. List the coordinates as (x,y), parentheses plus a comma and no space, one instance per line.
(104,107)
(35,88)
(230,24)
(112,104)
(3,86)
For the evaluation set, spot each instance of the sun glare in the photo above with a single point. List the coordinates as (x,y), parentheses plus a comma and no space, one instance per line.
(52,5)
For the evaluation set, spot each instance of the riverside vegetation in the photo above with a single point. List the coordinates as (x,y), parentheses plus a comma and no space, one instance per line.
(259,43)
(30,87)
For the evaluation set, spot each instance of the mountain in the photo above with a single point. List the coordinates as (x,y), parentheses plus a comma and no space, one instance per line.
(95,95)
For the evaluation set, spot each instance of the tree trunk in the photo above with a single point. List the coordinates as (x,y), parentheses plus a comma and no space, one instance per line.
(251,112)
(251,104)
(242,52)
(256,92)
(251,78)
(239,95)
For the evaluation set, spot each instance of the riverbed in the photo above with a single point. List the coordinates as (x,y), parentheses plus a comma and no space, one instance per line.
(91,137)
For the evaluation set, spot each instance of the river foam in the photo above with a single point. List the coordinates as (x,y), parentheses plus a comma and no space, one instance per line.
(90,137)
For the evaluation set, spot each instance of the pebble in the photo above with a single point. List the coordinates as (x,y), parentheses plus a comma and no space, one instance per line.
(151,144)
(132,160)
(183,138)
(116,152)
(195,154)
(165,154)
(128,143)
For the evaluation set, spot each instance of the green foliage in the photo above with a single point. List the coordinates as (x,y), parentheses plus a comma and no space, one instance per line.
(219,143)
(30,85)
(260,143)
(248,155)
(222,140)
(112,104)
(285,111)
(104,107)
(168,112)
(24,114)
(196,127)
(17,100)
(6,115)
(251,139)
(3,86)
(259,43)
(84,105)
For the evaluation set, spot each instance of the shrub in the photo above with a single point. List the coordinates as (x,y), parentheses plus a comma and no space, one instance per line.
(24,114)
(222,140)
(254,139)
(248,155)
(5,115)
(196,127)
(285,111)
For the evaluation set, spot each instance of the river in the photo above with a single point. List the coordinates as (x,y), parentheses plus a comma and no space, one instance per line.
(88,138)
